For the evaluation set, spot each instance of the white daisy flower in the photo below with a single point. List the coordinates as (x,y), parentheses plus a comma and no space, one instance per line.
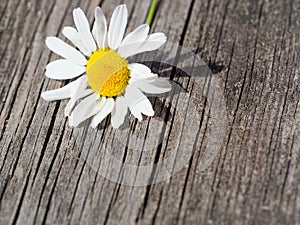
(107,83)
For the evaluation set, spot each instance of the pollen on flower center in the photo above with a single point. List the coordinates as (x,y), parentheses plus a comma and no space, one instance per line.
(108,73)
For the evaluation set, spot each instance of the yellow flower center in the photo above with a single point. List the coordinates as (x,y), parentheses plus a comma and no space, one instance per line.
(108,73)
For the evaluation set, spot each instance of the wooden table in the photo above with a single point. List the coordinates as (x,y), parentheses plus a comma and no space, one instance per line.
(252,48)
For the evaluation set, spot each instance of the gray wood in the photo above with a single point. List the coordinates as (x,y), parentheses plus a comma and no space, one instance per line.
(48,177)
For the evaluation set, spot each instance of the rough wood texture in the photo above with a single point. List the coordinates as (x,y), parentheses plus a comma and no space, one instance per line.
(251,46)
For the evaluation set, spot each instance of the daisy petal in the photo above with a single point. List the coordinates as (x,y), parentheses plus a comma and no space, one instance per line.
(69,107)
(140,71)
(68,91)
(138,103)
(117,26)
(64,92)
(119,112)
(57,94)
(72,34)
(100,28)
(61,48)
(104,111)
(157,86)
(133,40)
(138,35)
(152,42)
(63,69)
(83,28)
(84,110)
(74,99)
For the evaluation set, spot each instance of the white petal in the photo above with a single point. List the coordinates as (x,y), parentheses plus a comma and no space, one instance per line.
(117,26)
(133,41)
(63,69)
(104,111)
(100,28)
(61,93)
(83,28)
(140,71)
(72,34)
(61,48)
(152,42)
(138,35)
(81,86)
(57,94)
(138,103)
(69,107)
(157,86)
(84,110)
(74,99)
(119,112)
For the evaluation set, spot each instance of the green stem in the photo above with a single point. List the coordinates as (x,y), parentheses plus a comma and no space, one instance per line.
(151,12)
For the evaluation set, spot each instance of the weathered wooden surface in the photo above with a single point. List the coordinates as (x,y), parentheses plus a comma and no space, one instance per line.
(252,47)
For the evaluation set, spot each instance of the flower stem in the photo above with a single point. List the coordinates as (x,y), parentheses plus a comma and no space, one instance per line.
(151,12)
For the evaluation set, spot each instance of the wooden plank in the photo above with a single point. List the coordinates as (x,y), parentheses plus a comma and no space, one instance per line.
(50,174)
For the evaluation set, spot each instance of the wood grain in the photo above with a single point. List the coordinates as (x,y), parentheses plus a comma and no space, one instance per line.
(50,176)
